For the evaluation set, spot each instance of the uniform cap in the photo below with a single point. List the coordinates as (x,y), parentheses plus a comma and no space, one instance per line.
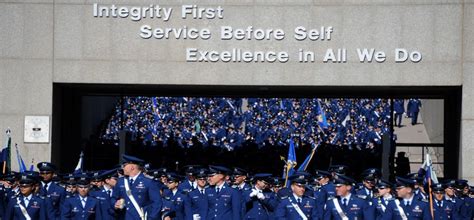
(46,166)
(131,159)
(340,180)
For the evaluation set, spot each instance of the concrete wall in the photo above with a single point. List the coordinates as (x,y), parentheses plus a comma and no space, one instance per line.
(432,112)
(46,41)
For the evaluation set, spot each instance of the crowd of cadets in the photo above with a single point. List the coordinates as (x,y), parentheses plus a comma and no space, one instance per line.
(219,193)
(234,122)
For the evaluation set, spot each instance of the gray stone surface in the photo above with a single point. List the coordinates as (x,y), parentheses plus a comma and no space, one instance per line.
(46,41)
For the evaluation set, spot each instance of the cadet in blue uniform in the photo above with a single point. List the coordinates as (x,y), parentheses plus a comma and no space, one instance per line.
(81,206)
(442,209)
(54,193)
(370,177)
(451,197)
(418,190)
(398,110)
(104,194)
(383,199)
(408,207)
(175,201)
(224,202)
(258,200)
(467,209)
(239,177)
(414,106)
(26,205)
(69,181)
(144,199)
(326,188)
(189,183)
(346,205)
(197,198)
(297,205)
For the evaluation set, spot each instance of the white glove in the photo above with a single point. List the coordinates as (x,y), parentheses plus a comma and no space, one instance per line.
(260,196)
(253,193)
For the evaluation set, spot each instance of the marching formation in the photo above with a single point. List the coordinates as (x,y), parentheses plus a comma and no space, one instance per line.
(132,191)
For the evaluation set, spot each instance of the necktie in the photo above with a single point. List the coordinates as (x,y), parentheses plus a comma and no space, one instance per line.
(131,181)
(26,200)
(407,203)
(83,201)
(218,190)
(299,200)
(109,192)
(438,203)
(344,202)
(202,192)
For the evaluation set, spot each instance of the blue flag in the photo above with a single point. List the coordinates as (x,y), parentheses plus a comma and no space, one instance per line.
(306,162)
(322,121)
(291,161)
(21,163)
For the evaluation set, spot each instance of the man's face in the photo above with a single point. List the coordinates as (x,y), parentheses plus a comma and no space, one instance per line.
(369,184)
(260,184)
(128,168)
(201,182)
(298,189)
(403,191)
(26,189)
(449,191)
(71,188)
(46,176)
(384,191)
(97,183)
(214,179)
(172,184)
(111,181)
(323,180)
(343,190)
(438,195)
(239,179)
(83,190)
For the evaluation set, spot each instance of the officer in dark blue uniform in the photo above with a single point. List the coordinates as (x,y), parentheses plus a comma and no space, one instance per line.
(104,194)
(239,178)
(346,205)
(69,182)
(10,190)
(413,107)
(384,197)
(144,199)
(27,205)
(398,110)
(418,190)
(197,198)
(54,193)
(326,189)
(467,210)
(82,206)
(370,177)
(442,209)
(408,206)
(297,205)
(259,202)
(189,184)
(175,201)
(452,197)
(224,202)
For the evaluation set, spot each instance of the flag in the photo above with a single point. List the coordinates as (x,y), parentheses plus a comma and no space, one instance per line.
(6,152)
(79,167)
(322,121)
(306,162)
(21,163)
(291,161)
(430,178)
